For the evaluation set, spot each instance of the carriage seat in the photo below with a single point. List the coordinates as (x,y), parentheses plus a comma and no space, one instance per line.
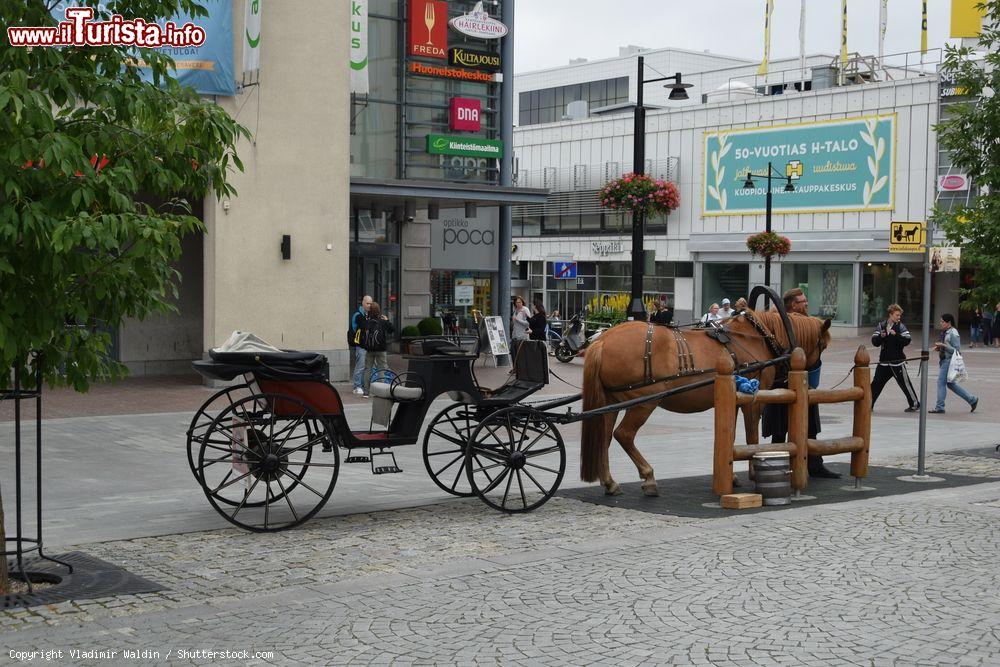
(397,393)
(531,373)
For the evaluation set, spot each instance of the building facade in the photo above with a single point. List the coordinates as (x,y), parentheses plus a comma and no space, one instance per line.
(858,144)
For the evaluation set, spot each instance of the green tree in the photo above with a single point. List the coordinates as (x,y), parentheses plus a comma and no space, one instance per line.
(97,171)
(972,135)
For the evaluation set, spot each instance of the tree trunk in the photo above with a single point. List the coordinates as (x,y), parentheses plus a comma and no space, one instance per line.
(4,583)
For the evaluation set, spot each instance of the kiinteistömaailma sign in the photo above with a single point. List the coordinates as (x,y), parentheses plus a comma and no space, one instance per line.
(835,166)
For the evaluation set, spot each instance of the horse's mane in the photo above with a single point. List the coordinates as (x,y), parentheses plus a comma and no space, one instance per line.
(806,329)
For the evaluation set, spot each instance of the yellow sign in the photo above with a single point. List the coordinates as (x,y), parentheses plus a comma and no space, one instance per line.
(966,18)
(907,236)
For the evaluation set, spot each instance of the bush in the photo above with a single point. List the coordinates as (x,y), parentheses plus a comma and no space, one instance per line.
(430,326)
(410,332)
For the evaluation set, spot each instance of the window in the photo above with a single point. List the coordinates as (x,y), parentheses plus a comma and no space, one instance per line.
(548,105)
(830,288)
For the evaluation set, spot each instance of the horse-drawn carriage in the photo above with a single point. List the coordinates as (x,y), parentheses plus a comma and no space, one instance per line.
(266,451)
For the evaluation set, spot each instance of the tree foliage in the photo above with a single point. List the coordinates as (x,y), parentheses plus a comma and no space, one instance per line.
(98,168)
(972,135)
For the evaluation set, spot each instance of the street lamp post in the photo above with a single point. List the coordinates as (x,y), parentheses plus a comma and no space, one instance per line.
(678,91)
(769,200)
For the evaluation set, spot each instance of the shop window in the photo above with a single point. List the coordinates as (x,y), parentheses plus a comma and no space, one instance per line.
(830,288)
(720,281)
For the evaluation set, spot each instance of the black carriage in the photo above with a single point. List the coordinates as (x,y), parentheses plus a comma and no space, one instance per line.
(266,451)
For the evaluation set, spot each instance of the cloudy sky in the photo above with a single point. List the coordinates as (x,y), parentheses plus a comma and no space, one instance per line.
(550,32)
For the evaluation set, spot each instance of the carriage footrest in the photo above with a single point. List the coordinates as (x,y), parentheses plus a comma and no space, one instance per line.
(388,469)
(357,459)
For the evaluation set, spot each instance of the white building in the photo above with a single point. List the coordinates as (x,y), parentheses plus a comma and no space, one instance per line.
(801,118)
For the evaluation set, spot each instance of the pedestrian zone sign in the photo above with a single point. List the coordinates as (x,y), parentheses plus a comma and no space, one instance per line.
(907,237)
(564,270)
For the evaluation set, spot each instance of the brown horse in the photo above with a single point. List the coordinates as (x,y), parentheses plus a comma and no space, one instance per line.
(617,360)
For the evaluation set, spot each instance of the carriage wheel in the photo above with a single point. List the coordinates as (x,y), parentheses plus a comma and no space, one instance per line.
(445,443)
(515,460)
(202,420)
(264,479)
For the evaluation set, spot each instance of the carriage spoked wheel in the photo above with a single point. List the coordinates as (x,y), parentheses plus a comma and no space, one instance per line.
(515,459)
(206,415)
(445,443)
(264,478)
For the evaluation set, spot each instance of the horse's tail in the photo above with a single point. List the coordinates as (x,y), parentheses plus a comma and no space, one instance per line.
(596,431)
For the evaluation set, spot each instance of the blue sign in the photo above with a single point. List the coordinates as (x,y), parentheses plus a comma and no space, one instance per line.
(207,68)
(564,270)
(834,166)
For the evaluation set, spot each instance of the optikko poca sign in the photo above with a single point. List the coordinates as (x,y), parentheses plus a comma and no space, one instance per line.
(835,166)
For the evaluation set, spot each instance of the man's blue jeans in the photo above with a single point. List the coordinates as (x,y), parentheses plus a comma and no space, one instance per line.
(943,386)
(359,367)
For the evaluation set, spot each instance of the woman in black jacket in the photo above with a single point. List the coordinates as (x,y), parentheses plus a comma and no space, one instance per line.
(892,336)
(375,339)
(537,322)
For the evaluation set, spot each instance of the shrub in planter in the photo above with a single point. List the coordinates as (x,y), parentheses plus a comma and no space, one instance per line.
(410,331)
(430,326)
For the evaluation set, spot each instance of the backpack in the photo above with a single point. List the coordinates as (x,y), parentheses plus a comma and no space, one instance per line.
(374,336)
(354,334)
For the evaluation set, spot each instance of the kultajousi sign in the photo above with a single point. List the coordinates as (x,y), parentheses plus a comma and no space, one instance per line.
(835,166)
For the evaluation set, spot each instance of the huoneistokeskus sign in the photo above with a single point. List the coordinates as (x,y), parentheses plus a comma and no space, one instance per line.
(835,166)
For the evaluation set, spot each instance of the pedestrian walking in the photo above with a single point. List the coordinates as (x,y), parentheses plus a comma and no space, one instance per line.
(354,340)
(949,342)
(375,340)
(537,322)
(518,325)
(893,336)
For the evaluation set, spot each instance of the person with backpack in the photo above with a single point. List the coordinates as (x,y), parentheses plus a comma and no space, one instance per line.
(892,336)
(376,341)
(354,334)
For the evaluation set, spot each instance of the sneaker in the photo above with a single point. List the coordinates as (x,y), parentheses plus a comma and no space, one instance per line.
(912,408)
(975,404)
(935,411)
(359,391)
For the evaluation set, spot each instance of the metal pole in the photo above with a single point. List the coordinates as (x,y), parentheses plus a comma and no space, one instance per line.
(767,227)
(925,352)
(506,123)
(637,310)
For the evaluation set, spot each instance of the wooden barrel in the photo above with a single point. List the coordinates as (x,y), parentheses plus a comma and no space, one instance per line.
(773,475)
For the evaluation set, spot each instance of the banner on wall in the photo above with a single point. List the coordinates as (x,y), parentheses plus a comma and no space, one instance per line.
(251,41)
(835,166)
(946,259)
(207,68)
(359,47)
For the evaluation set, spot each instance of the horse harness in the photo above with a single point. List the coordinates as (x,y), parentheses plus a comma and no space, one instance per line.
(685,357)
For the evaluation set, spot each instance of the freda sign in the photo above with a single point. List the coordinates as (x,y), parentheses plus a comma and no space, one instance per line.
(478,23)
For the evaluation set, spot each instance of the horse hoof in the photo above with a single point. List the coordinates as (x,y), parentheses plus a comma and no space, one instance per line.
(613,490)
(651,490)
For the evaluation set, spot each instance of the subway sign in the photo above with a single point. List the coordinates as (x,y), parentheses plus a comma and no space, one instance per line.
(462,57)
(439,144)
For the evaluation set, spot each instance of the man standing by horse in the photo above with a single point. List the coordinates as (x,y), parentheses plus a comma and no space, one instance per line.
(775,418)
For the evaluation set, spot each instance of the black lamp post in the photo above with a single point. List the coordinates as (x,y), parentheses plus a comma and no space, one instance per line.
(767,212)
(678,91)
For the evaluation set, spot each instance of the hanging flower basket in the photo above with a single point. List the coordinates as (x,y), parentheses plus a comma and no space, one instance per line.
(768,244)
(638,192)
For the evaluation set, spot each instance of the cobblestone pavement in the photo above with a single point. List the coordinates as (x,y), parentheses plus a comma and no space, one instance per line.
(904,580)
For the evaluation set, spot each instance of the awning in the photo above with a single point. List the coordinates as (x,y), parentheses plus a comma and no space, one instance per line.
(382,191)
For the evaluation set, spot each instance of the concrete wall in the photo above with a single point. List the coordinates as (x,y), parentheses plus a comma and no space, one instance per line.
(296,182)
(415,269)
(168,342)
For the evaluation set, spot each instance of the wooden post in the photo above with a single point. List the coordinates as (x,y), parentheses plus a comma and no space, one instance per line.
(798,418)
(862,412)
(725,425)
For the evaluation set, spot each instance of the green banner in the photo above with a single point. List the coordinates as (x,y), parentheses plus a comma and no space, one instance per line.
(439,144)
(835,166)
